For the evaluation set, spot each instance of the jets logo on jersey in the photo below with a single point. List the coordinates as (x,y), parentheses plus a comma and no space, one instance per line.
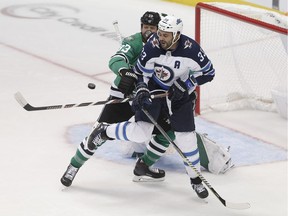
(163,73)
(187,44)
(155,43)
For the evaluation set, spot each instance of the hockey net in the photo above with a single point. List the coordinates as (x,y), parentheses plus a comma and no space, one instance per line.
(248,48)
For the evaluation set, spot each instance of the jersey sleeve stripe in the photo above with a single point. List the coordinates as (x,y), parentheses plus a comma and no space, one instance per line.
(143,70)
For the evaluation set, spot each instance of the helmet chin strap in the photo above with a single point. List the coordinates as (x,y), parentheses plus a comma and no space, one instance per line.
(173,41)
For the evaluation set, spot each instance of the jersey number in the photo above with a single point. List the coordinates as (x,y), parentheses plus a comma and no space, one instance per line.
(201,55)
(125,48)
(143,54)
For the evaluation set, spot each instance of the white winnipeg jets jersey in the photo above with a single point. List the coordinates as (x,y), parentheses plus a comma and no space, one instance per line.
(164,67)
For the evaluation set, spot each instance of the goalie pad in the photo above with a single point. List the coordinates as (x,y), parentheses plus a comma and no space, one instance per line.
(213,157)
(132,149)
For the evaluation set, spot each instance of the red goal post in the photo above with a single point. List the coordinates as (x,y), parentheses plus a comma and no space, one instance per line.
(248,48)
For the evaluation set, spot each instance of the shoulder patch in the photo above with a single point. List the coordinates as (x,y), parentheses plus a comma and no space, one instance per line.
(188,44)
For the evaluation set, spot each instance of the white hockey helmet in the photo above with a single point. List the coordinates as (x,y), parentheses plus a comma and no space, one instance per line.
(171,24)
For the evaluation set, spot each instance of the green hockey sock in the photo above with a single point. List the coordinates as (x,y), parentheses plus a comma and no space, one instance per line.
(78,159)
(156,148)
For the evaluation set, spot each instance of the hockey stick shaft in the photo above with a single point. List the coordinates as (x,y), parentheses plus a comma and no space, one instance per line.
(117,31)
(22,101)
(185,159)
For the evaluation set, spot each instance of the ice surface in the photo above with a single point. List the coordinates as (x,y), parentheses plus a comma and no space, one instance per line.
(50,61)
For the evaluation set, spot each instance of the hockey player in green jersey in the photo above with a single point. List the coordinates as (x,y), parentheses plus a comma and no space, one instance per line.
(124,84)
(121,63)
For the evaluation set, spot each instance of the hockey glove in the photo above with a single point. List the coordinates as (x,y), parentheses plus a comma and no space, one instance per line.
(142,98)
(127,82)
(178,91)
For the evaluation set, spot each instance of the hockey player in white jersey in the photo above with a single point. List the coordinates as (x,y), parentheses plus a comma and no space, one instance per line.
(172,62)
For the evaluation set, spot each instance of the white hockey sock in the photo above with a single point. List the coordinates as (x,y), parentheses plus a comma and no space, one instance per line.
(130,131)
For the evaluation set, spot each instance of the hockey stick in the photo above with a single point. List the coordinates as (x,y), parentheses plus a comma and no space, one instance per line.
(117,31)
(22,101)
(185,159)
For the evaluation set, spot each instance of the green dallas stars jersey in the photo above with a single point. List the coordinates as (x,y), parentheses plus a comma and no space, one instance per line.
(127,55)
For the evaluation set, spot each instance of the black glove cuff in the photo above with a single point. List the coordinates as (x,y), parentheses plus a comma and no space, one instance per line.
(141,86)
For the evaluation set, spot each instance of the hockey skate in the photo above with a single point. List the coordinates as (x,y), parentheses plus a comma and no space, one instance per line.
(98,136)
(69,175)
(144,173)
(200,190)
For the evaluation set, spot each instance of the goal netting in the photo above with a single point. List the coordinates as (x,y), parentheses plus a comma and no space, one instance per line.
(248,48)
